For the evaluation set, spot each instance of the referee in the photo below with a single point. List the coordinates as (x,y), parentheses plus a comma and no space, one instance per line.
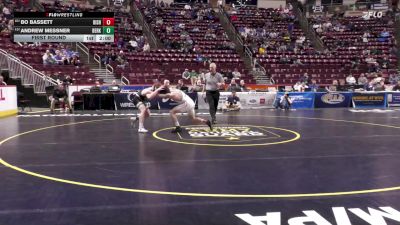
(213,81)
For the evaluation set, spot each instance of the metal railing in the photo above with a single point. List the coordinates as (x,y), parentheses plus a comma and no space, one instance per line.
(28,76)
(97,59)
(109,70)
(125,81)
(234,32)
(84,49)
(307,27)
(145,26)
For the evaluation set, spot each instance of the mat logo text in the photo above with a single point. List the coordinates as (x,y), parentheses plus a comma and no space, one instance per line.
(224,132)
(373,217)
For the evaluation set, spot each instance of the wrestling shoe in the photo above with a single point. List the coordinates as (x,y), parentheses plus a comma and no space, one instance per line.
(209,124)
(176,130)
(142,130)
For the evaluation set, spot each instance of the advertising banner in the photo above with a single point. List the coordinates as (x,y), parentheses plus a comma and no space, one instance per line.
(369,99)
(248,100)
(124,101)
(393,99)
(301,100)
(332,99)
(8,100)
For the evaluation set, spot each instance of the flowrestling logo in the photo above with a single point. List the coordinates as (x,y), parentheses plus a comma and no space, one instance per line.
(372,14)
(333,98)
(341,215)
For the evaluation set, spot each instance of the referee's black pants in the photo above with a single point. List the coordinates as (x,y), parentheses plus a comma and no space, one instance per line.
(213,99)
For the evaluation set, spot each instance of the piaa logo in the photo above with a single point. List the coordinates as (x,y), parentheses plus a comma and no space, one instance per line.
(333,98)
(228,135)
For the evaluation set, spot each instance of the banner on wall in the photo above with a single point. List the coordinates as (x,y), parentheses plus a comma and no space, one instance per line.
(248,100)
(369,99)
(393,99)
(301,100)
(8,99)
(124,101)
(332,99)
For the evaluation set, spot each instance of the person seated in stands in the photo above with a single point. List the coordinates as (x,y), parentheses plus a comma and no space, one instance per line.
(342,85)
(228,75)
(362,80)
(394,78)
(75,61)
(232,103)
(186,74)
(233,87)
(48,58)
(314,86)
(59,96)
(96,87)
(181,86)
(68,81)
(350,80)
(242,86)
(2,82)
(198,87)
(333,86)
(236,74)
(384,36)
(193,77)
(380,86)
(305,79)
(300,86)
(383,63)
(395,88)
(60,59)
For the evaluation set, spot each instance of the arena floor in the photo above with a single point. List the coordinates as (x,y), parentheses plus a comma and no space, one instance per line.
(94,168)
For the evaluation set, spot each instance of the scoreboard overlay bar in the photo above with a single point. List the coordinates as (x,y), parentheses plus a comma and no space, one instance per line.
(64,27)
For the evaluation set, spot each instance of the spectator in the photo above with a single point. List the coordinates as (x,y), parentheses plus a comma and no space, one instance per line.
(233,87)
(48,58)
(242,86)
(96,87)
(193,77)
(2,82)
(232,103)
(362,80)
(380,86)
(146,47)
(350,80)
(305,79)
(395,88)
(186,74)
(333,87)
(67,81)
(181,86)
(198,87)
(394,78)
(236,74)
(314,86)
